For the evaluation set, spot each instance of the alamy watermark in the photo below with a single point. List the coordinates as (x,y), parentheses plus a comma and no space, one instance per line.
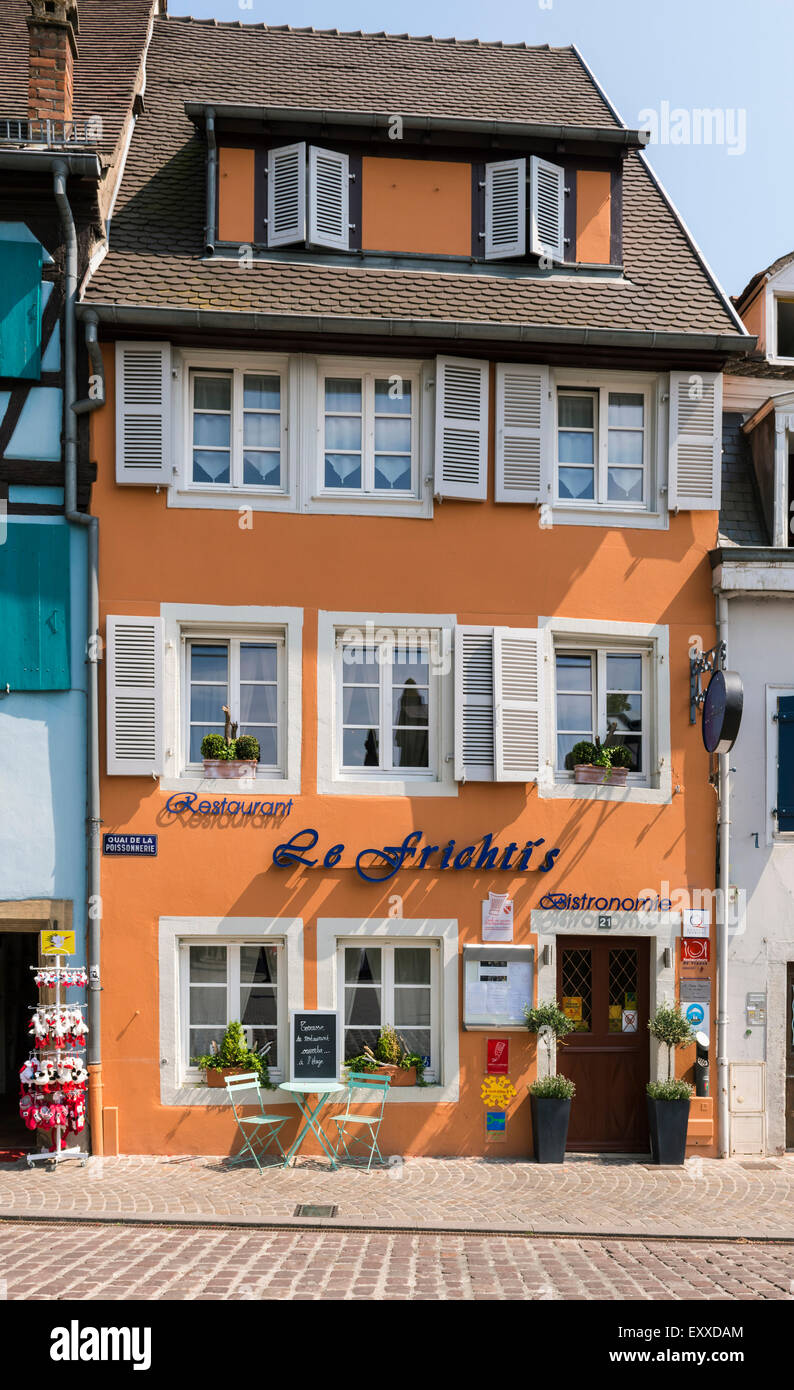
(700,125)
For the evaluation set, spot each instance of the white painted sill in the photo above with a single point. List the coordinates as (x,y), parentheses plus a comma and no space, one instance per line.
(577,791)
(214,788)
(386,787)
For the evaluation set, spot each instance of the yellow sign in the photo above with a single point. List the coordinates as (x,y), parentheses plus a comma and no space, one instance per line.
(497,1092)
(572,1007)
(57,943)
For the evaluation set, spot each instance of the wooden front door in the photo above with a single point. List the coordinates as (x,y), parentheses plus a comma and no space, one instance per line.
(605,980)
(790,1056)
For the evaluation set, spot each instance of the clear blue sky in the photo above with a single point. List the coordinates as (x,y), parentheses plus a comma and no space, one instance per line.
(735,55)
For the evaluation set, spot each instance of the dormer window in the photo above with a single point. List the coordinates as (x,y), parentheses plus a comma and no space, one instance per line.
(785,328)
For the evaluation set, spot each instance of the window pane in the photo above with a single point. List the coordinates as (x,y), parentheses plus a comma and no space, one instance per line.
(261,431)
(208,1005)
(392,472)
(212,431)
(197,733)
(258,1037)
(258,704)
(362,964)
(785,328)
(206,704)
(574,673)
(262,470)
(574,712)
(261,392)
(343,470)
(258,663)
(625,447)
(410,748)
(624,672)
(576,483)
(625,485)
(360,665)
(392,436)
(258,1005)
(268,742)
(212,393)
(412,1006)
(258,965)
(201,1039)
(625,711)
(565,742)
(410,706)
(634,745)
(355,1038)
(208,662)
(576,411)
(389,401)
(342,432)
(210,467)
(362,1004)
(360,704)
(207,965)
(418,1040)
(360,748)
(626,409)
(412,965)
(343,394)
(575,448)
(411,664)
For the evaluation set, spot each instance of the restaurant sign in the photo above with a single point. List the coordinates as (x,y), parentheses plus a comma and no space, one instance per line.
(380,864)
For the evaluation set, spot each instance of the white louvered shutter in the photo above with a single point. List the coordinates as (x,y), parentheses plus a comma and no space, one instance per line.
(505,209)
(523,434)
(547,208)
(286,195)
(135,696)
(329,199)
(517,703)
(695,441)
(461,452)
(143,413)
(474,704)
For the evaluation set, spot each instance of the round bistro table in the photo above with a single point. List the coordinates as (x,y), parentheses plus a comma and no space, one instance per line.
(300,1092)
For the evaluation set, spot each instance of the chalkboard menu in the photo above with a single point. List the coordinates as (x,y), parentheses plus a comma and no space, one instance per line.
(313,1045)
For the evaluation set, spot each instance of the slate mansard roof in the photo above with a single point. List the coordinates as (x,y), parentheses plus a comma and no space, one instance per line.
(156,256)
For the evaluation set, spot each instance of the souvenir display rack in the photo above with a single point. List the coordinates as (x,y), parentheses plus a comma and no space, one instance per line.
(53,1079)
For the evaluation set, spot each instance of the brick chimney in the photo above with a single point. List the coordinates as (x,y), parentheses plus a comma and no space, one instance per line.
(52,29)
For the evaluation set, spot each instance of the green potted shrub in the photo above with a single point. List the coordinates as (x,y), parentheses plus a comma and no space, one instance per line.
(600,763)
(391,1058)
(550,1096)
(226,755)
(233,1058)
(668,1101)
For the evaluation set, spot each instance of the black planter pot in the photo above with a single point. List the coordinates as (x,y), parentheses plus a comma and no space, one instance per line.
(550,1118)
(667,1122)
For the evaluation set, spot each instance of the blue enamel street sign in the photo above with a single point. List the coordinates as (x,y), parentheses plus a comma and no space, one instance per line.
(140,845)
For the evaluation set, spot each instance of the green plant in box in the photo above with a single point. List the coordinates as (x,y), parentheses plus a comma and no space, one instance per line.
(246,747)
(235,1052)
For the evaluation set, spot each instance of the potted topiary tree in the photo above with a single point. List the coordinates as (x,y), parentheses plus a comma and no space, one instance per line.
(551,1095)
(600,763)
(226,755)
(668,1101)
(234,1057)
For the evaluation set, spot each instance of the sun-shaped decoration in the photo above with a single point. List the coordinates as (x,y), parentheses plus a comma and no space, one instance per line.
(497,1092)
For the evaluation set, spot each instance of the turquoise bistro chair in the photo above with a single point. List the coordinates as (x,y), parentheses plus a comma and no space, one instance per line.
(357,1130)
(259,1132)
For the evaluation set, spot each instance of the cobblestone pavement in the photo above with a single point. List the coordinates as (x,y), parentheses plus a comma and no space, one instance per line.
(39,1260)
(587,1196)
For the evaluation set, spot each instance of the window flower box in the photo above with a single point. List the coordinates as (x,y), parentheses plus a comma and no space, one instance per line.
(602,776)
(230,768)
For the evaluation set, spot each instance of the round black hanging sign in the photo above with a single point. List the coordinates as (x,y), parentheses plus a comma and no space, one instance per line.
(722,711)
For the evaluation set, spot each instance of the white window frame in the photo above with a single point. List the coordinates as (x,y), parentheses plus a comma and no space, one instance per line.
(773,299)
(233,639)
(179,1085)
(418,931)
(654,787)
(185,622)
(652,512)
(192,362)
(388,987)
(385,668)
(367,370)
(773,835)
(332,778)
(598,652)
(192,1075)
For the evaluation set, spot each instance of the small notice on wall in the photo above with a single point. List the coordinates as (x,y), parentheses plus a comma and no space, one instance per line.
(572,1007)
(498,1057)
(497,918)
(497,983)
(495,1122)
(629,1021)
(138,845)
(695,921)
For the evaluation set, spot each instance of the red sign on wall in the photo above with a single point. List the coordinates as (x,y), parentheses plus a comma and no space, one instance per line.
(694,948)
(498,1056)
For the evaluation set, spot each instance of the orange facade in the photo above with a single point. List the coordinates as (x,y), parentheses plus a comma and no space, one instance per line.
(485,563)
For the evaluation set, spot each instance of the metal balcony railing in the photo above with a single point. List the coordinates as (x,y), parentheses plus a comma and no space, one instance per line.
(51,134)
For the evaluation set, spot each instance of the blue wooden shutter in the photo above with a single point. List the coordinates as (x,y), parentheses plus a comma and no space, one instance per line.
(785,763)
(20,309)
(34,598)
